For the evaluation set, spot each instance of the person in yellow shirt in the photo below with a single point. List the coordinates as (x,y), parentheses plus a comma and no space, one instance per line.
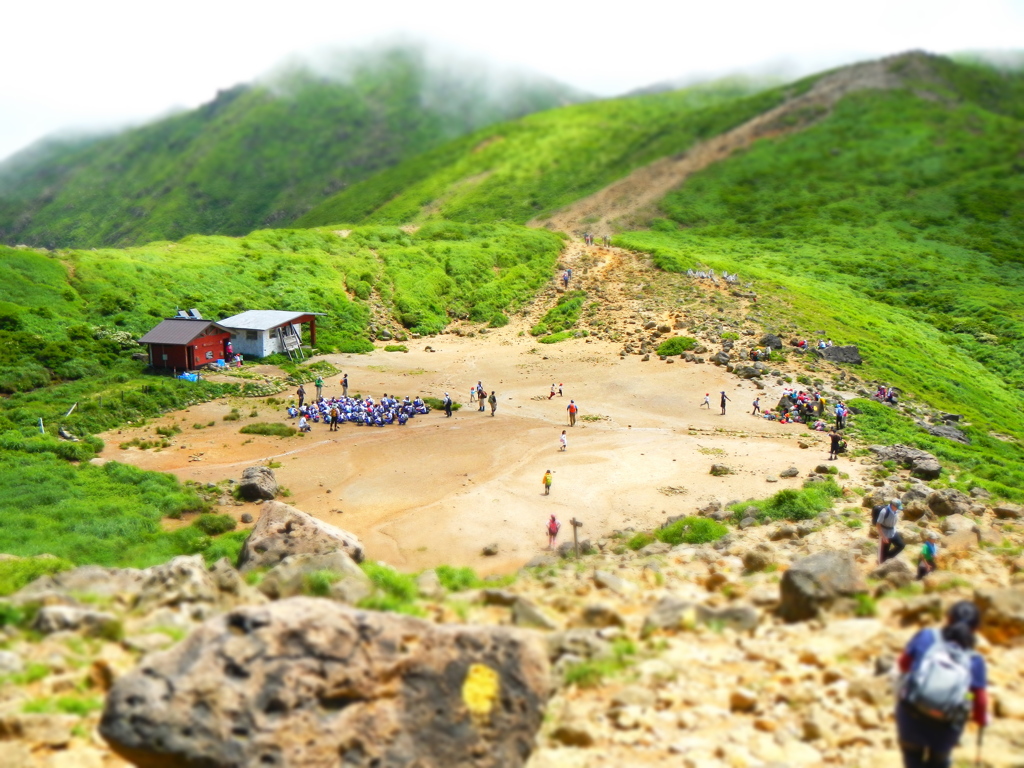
(547,482)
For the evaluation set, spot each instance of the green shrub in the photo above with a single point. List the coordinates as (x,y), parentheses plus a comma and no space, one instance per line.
(794,505)
(498,320)
(397,591)
(554,338)
(318,583)
(273,429)
(214,525)
(677,345)
(866,606)
(639,540)
(64,705)
(691,530)
(15,574)
(590,674)
(396,348)
(437,404)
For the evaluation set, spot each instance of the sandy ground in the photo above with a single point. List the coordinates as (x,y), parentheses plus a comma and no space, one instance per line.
(438,490)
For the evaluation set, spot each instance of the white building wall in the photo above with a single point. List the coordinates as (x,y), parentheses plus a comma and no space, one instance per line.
(265,342)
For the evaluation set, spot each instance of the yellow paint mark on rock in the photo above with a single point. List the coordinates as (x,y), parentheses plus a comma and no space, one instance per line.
(480,691)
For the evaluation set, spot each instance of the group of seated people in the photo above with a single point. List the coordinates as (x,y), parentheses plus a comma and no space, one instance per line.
(886,394)
(760,353)
(366,412)
(799,407)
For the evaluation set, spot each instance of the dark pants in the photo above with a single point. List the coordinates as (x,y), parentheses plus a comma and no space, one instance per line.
(919,757)
(894,547)
(448,411)
(334,423)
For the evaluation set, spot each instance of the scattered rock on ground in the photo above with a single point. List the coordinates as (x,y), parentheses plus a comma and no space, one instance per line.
(812,584)
(258,483)
(283,530)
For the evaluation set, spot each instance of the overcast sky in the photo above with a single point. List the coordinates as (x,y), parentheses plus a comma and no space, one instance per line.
(102,63)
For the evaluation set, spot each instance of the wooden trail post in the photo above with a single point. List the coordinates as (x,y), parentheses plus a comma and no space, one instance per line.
(576,525)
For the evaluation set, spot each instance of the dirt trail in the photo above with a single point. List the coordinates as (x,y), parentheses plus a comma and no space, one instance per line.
(623,201)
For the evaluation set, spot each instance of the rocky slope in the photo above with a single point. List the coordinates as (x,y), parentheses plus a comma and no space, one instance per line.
(772,645)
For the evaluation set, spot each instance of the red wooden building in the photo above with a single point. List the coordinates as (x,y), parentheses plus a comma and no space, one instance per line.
(185,343)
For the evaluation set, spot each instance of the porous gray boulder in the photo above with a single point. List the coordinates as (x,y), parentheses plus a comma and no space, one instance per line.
(185,580)
(307,682)
(921,463)
(1009,512)
(69,618)
(258,482)
(896,572)
(789,472)
(85,580)
(283,530)
(771,340)
(949,501)
(292,576)
(948,432)
(814,583)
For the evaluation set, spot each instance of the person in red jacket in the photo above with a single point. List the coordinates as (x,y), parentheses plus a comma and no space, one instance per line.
(927,742)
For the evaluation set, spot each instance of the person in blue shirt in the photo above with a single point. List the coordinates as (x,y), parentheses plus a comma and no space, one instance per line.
(925,741)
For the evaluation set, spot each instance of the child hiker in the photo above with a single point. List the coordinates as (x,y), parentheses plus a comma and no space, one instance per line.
(563,441)
(547,482)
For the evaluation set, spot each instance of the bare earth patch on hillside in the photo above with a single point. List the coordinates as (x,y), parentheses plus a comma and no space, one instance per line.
(629,201)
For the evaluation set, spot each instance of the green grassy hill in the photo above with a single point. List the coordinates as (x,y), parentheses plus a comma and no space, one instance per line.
(256,156)
(893,221)
(68,320)
(517,170)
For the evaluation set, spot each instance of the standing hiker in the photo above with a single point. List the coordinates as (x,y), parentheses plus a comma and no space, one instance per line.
(725,397)
(944,685)
(301,393)
(757,407)
(565,279)
(553,528)
(547,482)
(707,400)
(572,409)
(493,400)
(344,385)
(552,393)
(885,518)
(559,389)
(481,396)
(563,441)
(835,438)
(319,384)
(334,418)
(447,406)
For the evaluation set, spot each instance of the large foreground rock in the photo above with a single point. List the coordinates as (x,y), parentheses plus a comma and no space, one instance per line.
(186,582)
(283,530)
(258,483)
(307,682)
(814,583)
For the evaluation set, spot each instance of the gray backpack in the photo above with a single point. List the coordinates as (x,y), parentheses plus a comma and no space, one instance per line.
(940,685)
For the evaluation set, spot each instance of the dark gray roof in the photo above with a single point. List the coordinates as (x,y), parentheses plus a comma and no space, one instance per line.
(179,330)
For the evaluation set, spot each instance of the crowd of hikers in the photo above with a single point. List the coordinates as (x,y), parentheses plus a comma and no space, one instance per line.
(334,411)
(810,408)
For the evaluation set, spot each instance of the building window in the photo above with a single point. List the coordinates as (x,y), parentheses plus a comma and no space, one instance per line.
(251,335)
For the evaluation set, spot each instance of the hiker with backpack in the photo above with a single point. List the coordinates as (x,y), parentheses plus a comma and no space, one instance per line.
(890,541)
(834,439)
(927,561)
(944,685)
(572,408)
(553,528)
(492,400)
(547,482)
